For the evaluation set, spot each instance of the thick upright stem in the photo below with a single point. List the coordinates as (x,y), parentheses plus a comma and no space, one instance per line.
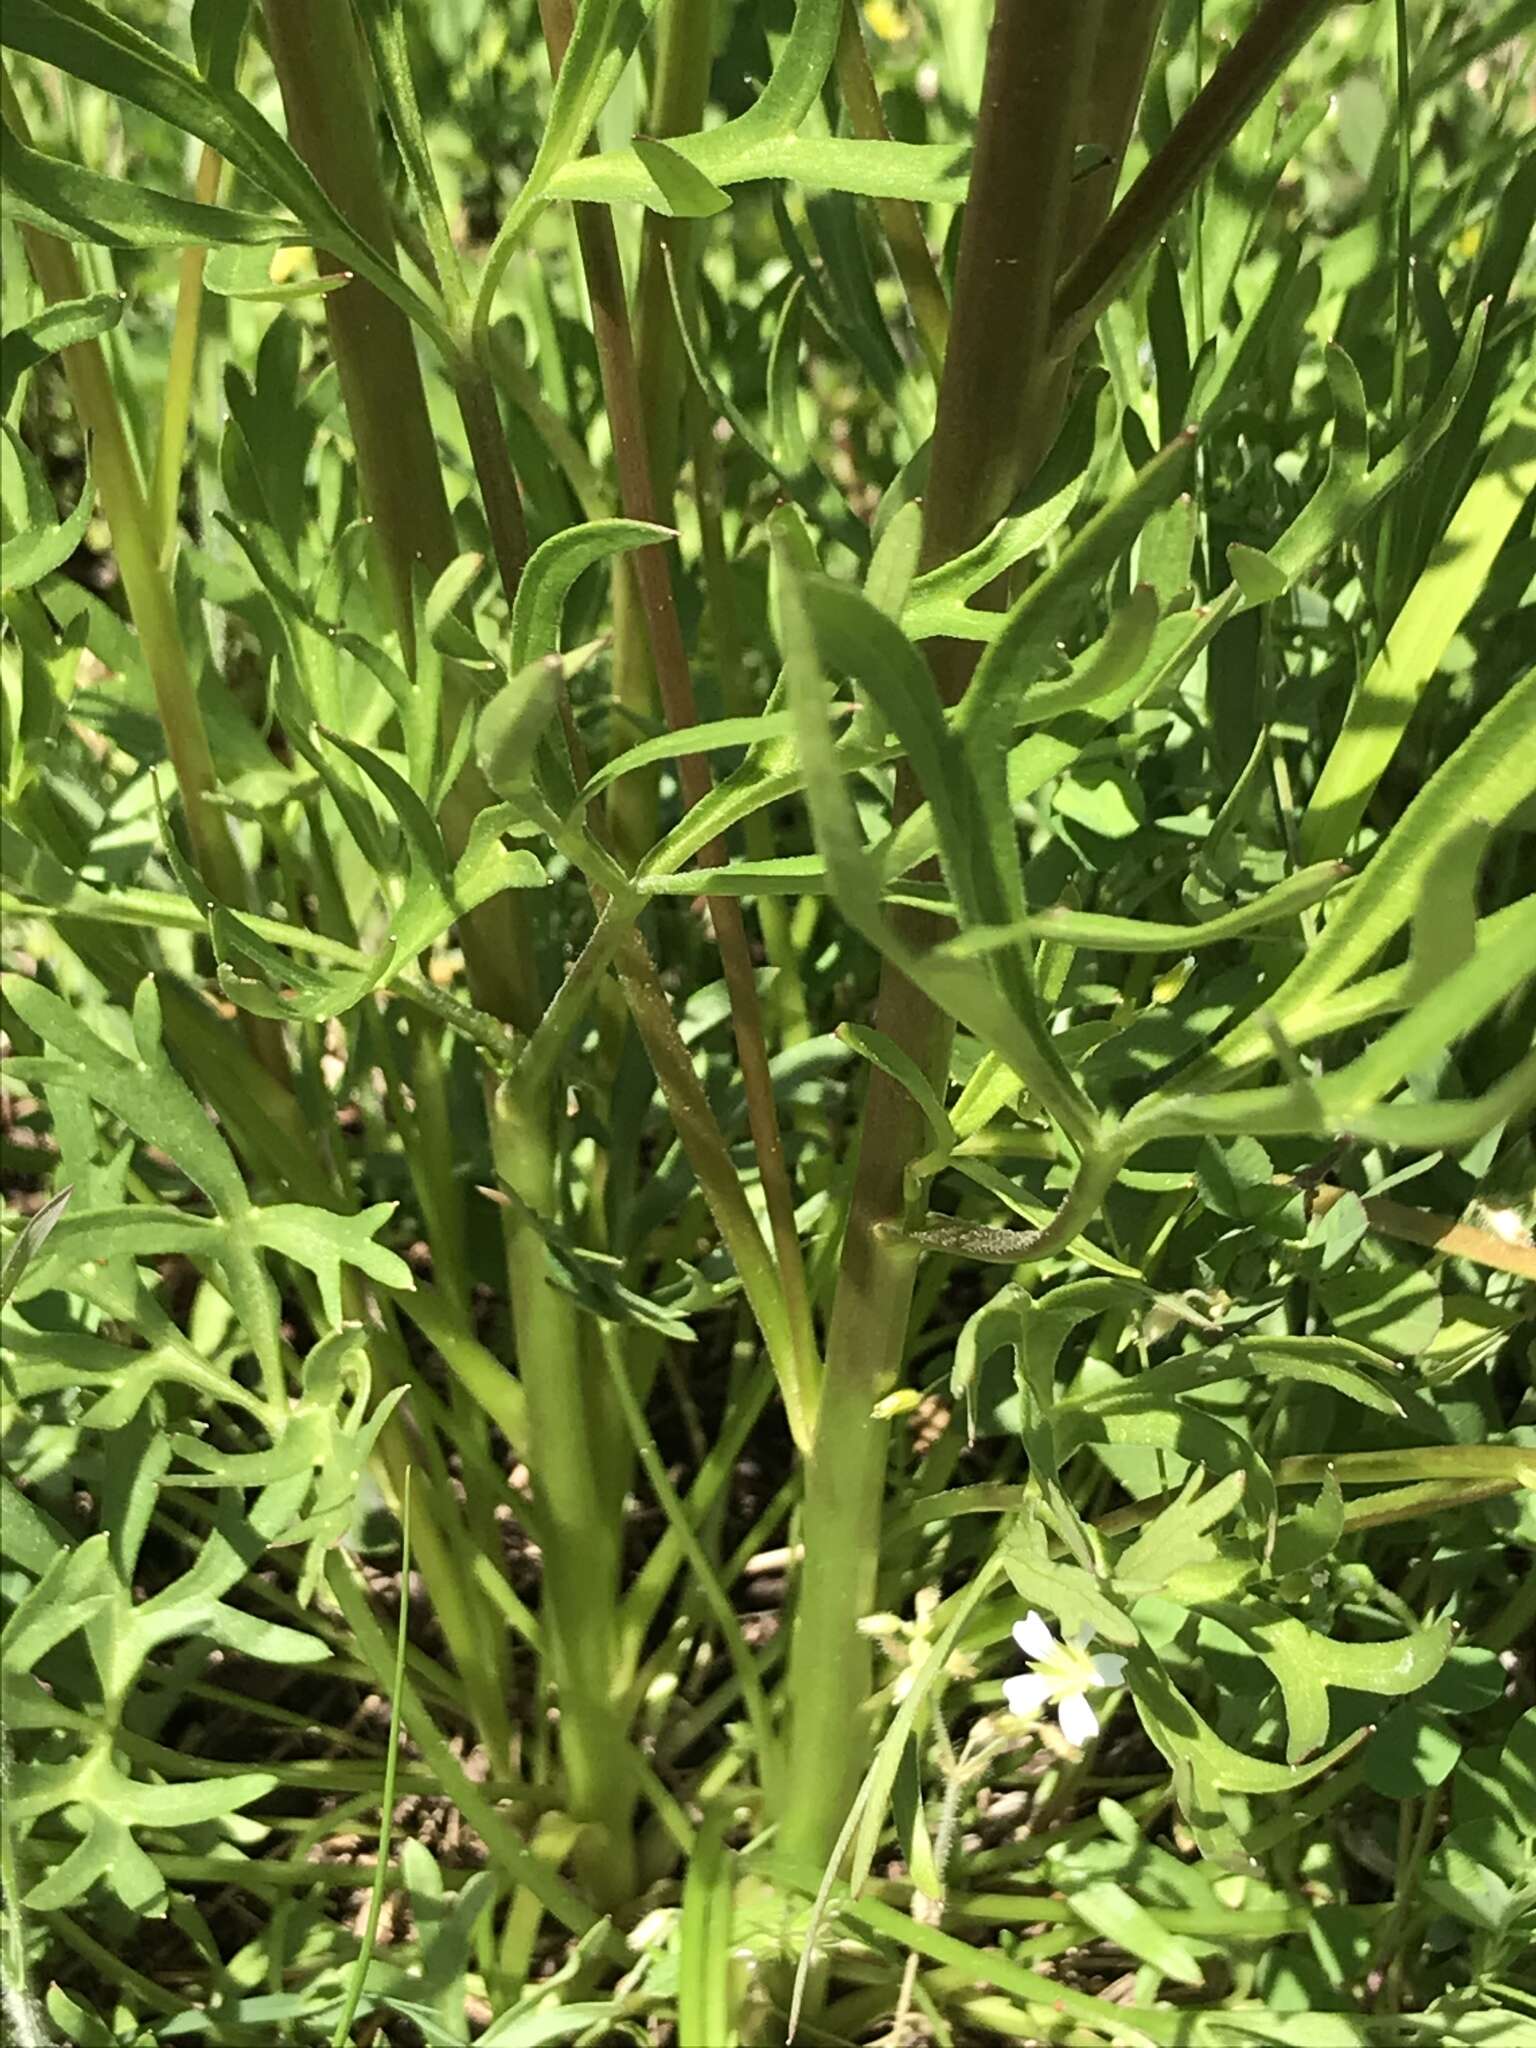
(579,1531)
(684,47)
(327,98)
(1127,39)
(992,428)
(322,71)
(493,472)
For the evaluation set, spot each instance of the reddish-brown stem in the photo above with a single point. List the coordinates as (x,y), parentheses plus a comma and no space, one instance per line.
(621,390)
(898,217)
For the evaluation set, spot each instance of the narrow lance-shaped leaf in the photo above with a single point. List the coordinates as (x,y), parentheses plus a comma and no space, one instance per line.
(1134,935)
(1384,702)
(937,601)
(62,325)
(850,635)
(28,1242)
(1016,658)
(1352,485)
(553,569)
(29,556)
(87,42)
(82,205)
(602,37)
(1488,776)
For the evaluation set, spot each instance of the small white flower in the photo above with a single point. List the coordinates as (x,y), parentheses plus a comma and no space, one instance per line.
(1063,1676)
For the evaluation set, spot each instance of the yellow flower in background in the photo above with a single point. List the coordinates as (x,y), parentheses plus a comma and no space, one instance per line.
(886,20)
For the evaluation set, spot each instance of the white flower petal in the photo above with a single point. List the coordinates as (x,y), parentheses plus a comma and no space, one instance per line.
(1109,1670)
(1027,1695)
(1033,1637)
(1083,1637)
(1079,1723)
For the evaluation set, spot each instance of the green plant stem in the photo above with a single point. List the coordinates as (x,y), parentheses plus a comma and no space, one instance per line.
(992,429)
(1416,1833)
(990,434)
(1402,251)
(685,36)
(537,1062)
(774,914)
(522,392)
(493,472)
(626,412)
(1127,38)
(710,1157)
(176,403)
(381,1875)
(112,1969)
(15,1975)
(1197,197)
(1436,1478)
(898,217)
(1387,587)
(579,1533)
(478,1370)
(1274,36)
